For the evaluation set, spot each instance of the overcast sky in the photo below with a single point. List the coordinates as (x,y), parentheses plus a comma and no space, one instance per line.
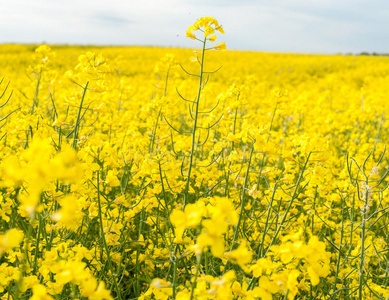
(303,26)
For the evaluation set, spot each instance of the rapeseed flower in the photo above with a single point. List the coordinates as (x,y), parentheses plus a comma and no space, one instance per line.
(208,26)
(286,197)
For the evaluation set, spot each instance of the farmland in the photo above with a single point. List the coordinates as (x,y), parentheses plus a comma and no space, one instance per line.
(163,173)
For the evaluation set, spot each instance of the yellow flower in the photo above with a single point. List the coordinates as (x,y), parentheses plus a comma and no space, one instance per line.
(70,76)
(208,30)
(315,279)
(213,236)
(69,215)
(189,34)
(241,256)
(212,38)
(292,284)
(221,46)
(39,292)
(101,293)
(207,25)
(220,29)
(190,218)
(11,239)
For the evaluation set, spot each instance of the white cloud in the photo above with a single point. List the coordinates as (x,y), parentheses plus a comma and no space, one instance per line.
(280,25)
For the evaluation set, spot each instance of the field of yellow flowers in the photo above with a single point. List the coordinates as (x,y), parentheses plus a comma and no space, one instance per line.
(157,173)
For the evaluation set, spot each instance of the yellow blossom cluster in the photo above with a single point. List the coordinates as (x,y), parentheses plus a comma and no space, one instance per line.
(208,26)
(136,174)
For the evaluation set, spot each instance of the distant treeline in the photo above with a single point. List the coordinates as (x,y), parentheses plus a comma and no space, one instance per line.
(373,54)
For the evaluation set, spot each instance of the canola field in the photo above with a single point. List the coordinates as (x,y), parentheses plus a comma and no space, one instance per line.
(162,173)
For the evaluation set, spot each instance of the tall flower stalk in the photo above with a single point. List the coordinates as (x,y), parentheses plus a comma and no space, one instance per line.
(208,26)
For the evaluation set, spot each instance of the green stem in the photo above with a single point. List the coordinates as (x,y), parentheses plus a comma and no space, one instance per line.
(103,238)
(77,125)
(266,229)
(35,264)
(242,205)
(192,151)
(281,224)
(232,149)
(174,260)
(35,100)
(295,193)
(151,148)
(195,278)
(166,200)
(363,235)
(339,252)
(242,201)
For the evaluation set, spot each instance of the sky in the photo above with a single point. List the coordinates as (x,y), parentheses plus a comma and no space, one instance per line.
(293,26)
